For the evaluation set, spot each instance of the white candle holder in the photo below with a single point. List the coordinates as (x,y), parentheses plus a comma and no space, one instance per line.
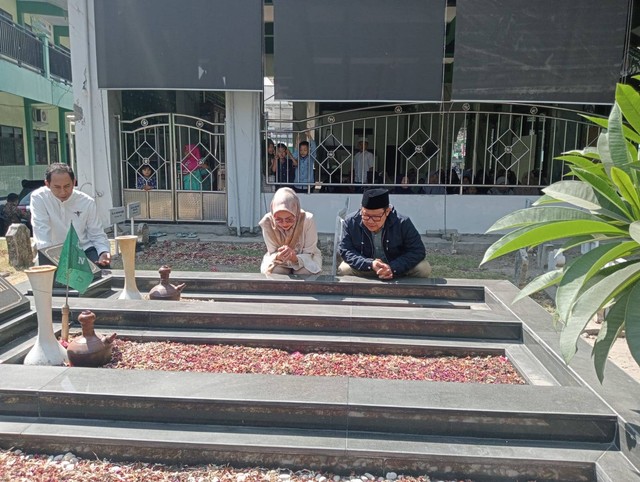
(128,252)
(47,350)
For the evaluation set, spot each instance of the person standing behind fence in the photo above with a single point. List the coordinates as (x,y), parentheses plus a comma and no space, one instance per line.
(304,161)
(283,166)
(363,163)
(291,237)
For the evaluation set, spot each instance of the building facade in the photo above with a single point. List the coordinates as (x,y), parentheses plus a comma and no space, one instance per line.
(462,105)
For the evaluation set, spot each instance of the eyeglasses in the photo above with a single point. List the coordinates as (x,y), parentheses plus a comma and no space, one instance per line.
(289,220)
(369,217)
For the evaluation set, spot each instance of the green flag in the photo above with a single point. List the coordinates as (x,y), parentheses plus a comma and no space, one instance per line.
(74,269)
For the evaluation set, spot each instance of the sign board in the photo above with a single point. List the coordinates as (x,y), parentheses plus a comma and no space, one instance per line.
(133,210)
(117,215)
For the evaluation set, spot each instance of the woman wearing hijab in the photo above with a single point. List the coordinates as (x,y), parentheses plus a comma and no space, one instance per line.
(291,237)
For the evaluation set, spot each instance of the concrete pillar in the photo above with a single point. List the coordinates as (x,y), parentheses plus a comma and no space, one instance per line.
(91,109)
(243,160)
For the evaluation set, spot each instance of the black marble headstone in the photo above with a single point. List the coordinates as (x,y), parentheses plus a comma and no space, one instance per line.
(51,255)
(12,302)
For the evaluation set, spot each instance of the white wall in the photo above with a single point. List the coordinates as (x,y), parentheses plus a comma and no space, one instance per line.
(467,214)
(90,105)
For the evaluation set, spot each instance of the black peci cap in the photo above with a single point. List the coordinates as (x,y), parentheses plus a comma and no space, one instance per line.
(375,198)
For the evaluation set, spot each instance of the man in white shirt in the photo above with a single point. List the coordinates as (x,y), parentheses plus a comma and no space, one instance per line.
(56,205)
(363,163)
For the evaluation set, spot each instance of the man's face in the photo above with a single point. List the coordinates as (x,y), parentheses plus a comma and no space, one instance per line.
(61,185)
(304,150)
(374,219)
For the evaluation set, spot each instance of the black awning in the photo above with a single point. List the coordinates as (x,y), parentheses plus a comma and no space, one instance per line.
(181,45)
(358,50)
(563,51)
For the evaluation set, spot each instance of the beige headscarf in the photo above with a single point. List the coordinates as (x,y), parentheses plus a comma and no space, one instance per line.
(285,199)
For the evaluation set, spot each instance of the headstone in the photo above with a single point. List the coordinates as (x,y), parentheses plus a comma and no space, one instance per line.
(143,233)
(19,246)
(522,267)
(51,255)
(12,302)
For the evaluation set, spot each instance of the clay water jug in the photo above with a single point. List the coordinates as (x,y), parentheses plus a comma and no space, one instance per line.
(165,290)
(90,350)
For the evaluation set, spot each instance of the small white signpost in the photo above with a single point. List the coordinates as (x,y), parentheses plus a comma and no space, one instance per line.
(117,216)
(133,210)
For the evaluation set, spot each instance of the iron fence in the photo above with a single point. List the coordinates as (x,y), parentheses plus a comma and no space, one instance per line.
(416,149)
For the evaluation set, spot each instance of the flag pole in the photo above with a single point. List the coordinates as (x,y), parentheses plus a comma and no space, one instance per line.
(65,317)
(64,331)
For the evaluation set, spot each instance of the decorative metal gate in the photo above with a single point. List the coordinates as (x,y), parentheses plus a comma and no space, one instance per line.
(174,165)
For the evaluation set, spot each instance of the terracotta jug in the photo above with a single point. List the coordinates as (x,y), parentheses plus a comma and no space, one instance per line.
(89,350)
(165,290)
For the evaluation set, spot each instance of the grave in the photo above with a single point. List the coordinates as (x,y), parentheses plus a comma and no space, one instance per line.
(100,285)
(561,426)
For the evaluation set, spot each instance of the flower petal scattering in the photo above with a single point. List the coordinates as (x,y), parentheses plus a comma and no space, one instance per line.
(173,356)
(15,465)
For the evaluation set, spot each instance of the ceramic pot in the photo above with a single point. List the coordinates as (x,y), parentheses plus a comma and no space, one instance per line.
(89,350)
(165,290)
(47,350)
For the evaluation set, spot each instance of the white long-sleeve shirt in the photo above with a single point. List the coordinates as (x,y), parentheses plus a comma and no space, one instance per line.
(51,219)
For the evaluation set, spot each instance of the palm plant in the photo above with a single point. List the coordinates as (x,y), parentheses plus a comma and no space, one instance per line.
(601,202)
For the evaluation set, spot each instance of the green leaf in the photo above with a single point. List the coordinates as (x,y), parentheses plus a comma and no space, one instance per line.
(579,271)
(544,199)
(628,133)
(620,155)
(537,215)
(580,161)
(590,302)
(605,194)
(629,101)
(634,231)
(540,283)
(627,189)
(605,153)
(632,322)
(609,331)
(577,193)
(540,233)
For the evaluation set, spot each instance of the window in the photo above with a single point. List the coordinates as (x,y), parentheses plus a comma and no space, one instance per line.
(54,155)
(40,147)
(11,146)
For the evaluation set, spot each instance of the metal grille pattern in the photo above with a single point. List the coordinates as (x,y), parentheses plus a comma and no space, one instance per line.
(459,149)
(169,162)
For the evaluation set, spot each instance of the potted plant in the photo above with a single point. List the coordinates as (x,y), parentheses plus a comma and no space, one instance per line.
(600,201)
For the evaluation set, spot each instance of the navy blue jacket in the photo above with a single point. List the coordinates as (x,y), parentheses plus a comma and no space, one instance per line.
(402,244)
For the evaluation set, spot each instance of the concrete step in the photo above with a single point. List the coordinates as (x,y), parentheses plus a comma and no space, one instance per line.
(386,406)
(17,326)
(337,451)
(201,282)
(493,324)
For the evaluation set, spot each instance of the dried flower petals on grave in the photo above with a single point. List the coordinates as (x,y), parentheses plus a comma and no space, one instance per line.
(173,356)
